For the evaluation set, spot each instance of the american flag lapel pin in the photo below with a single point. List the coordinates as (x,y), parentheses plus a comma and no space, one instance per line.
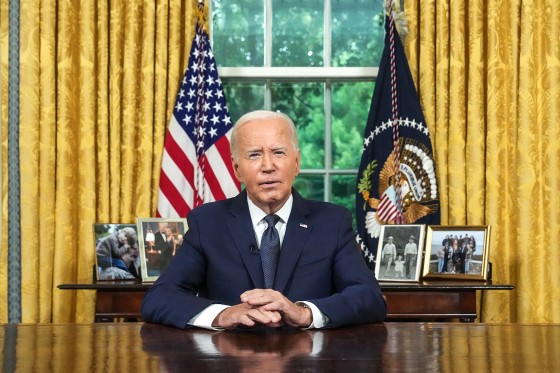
(303,225)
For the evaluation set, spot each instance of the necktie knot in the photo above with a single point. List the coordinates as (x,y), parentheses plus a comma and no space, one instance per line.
(271,220)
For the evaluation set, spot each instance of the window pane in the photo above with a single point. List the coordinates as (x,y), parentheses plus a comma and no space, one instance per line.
(297,33)
(344,192)
(243,97)
(357,32)
(238,32)
(303,102)
(310,186)
(350,107)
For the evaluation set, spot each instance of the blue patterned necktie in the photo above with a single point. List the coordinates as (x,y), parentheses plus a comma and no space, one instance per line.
(270,250)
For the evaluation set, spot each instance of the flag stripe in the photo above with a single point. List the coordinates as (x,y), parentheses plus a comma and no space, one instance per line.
(168,189)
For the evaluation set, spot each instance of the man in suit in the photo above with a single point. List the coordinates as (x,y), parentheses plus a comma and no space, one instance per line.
(217,279)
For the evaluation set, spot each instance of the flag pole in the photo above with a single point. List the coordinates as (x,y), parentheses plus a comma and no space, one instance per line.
(395,116)
(200,15)
(199,113)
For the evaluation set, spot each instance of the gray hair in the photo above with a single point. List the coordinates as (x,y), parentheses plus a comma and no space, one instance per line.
(258,115)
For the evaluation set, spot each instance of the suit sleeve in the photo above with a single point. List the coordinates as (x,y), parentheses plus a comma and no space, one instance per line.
(357,297)
(173,300)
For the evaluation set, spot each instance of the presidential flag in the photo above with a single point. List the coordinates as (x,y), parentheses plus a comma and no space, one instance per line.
(196,165)
(397,181)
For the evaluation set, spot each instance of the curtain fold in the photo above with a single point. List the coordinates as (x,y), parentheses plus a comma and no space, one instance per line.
(98,81)
(487,75)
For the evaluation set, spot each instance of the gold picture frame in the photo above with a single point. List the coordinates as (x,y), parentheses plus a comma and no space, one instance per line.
(457,252)
(399,253)
(159,239)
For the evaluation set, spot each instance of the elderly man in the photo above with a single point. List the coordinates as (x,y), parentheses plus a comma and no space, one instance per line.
(388,254)
(267,257)
(410,252)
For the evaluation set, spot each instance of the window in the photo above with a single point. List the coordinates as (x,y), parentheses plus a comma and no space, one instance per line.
(314,60)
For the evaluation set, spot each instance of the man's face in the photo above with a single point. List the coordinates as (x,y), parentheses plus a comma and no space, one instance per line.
(127,258)
(267,162)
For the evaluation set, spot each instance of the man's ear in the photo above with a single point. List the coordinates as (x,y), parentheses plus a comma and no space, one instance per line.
(235,166)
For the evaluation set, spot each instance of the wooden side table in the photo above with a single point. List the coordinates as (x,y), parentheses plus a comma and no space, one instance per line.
(414,301)
(436,300)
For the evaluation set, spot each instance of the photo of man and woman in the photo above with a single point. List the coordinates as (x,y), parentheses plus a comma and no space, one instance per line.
(160,240)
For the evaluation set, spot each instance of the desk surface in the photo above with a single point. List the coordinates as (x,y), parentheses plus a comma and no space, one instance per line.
(389,347)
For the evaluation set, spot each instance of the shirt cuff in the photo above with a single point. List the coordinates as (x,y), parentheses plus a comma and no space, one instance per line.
(206,317)
(319,319)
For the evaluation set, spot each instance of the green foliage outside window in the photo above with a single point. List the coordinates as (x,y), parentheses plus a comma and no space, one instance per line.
(356,40)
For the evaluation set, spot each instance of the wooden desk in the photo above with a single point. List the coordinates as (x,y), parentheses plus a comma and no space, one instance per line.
(428,300)
(389,347)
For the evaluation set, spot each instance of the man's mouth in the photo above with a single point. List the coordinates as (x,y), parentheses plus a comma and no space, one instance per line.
(269,183)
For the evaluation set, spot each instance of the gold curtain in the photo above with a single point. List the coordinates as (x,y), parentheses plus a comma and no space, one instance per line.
(488,75)
(98,80)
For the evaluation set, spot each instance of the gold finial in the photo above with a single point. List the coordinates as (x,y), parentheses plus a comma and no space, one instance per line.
(393,9)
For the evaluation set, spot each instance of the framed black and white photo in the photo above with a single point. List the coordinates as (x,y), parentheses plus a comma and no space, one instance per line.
(159,240)
(399,252)
(116,251)
(458,252)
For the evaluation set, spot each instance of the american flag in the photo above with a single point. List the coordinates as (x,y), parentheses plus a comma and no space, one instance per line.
(397,181)
(196,165)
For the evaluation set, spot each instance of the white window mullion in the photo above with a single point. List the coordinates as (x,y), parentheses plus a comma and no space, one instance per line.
(268,53)
(327,51)
(327,39)
(268,33)
(328,138)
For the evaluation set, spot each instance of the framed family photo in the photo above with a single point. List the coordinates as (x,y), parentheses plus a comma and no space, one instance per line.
(459,252)
(116,251)
(159,240)
(399,252)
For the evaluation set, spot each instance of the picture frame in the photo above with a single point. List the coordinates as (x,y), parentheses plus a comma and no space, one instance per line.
(116,252)
(394,260)
(159,239)
(449,255)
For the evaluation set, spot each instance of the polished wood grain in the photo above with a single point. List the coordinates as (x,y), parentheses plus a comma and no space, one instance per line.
(389,347)
(426,300)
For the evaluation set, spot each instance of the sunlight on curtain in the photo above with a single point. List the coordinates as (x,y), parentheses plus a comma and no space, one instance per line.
(488,77)
(98,81)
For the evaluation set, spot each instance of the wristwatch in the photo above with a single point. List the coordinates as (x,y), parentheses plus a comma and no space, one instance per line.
(305,305)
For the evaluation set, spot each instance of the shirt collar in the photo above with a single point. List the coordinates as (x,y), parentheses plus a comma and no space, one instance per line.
(257,214)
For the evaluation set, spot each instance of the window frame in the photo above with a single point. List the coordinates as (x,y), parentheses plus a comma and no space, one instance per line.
(326,74)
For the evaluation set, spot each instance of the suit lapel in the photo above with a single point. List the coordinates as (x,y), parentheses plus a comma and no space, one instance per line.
(239,224)
(297,232)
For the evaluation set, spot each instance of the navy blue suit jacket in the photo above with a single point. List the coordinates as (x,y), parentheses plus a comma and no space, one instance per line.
(320,262)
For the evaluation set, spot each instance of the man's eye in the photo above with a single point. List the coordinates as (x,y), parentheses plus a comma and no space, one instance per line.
(253,155)
(279,152)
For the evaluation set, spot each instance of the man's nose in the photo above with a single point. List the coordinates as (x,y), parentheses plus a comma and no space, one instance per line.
(267,162)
